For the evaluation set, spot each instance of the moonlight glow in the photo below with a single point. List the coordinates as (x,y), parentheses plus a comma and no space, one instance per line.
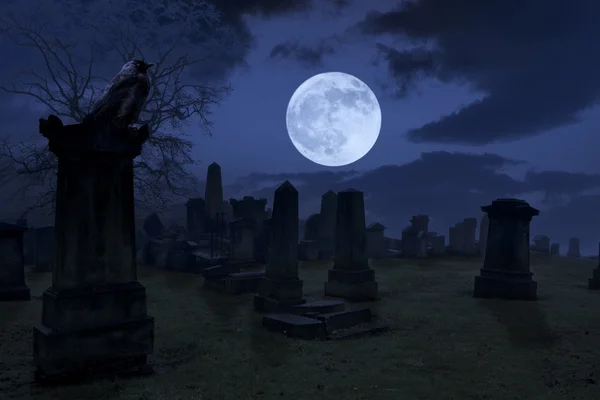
(333,119)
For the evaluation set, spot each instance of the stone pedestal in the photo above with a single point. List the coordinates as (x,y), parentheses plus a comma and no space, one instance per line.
(505,273)
(351,277)
(281,288)
(94,319)
(12,264)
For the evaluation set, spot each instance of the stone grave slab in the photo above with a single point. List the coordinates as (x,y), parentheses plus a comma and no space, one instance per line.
(295,326)
(220,271)
(319,306)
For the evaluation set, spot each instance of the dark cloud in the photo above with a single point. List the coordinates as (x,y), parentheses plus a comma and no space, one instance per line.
(309,56)
(536,62)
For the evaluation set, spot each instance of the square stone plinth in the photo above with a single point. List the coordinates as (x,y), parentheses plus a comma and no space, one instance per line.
(15,293)
(505,285)
(93,333)
(352,285)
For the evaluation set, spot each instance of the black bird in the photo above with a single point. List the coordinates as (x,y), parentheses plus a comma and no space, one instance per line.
(125,96)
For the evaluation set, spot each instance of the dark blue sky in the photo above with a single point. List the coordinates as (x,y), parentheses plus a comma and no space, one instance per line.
(480,99)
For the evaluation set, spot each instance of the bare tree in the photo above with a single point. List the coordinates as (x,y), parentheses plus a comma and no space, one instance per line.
(67,84)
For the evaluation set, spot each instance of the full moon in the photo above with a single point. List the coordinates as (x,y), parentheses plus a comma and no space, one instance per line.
(333,119)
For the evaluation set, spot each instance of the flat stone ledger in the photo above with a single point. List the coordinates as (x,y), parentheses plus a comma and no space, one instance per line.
(506,272)
(94,318)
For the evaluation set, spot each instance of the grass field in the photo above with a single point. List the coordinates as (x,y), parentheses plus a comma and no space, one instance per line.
(443,343)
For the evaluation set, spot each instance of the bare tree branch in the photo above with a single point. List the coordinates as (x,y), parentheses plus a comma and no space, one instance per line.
(66,85)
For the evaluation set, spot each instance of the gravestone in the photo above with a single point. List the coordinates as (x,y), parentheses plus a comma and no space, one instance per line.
(44,249)
(94,318)
(375,238)
(195,218)
(555,249)
(214,191)
(506,273)
(242,232)
(12,264)
(281,289)
(452,238)
(327,229)
(351,276)
(573,250)
(594,281)
(312,226)
(541,244)
(484,227)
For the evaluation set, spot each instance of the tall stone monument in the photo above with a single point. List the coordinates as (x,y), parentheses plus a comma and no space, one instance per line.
(327,229)
(281,289)
(213,194)
(12,263)
(506,273)
(94,319)
(351,276)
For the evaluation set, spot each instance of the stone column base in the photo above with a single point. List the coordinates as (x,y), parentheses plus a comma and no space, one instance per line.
(505,285)
(15,293)
(352,285)
(93,333)
(278,295)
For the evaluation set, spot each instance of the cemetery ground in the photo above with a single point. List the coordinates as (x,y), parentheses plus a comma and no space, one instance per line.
(442,343)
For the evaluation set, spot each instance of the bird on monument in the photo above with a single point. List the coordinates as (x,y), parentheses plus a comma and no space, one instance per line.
(123,99)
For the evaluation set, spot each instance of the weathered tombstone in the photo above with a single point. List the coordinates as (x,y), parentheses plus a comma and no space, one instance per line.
(153,226)
(506,273)
(555,249)
(594,281)
(312,226)
(12,265)
(484,227)
(214,191)
(541,244)
(94,318)
(308,250)
(438,245)
(327,231)
(242,232)
(573,248)
(376,247)
(351,276)
(195,218)
(281,289)
(44,253)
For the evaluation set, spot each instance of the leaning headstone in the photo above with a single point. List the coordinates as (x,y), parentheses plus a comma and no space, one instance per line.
(281,288)
(506,273)
(555,249)
(94,316)
(594,281)
(12,265)
(153,226)
(351,276)
(44,253)
(573,248)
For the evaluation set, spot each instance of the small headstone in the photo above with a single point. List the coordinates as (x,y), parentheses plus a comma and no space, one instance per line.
(555,249)
(153,227)
(12,266)
(351,276)
(541,244)
(573,248)
(376,246)
(506,273)
(281,288)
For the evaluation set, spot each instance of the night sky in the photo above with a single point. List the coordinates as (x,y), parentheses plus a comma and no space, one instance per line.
(480,99)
